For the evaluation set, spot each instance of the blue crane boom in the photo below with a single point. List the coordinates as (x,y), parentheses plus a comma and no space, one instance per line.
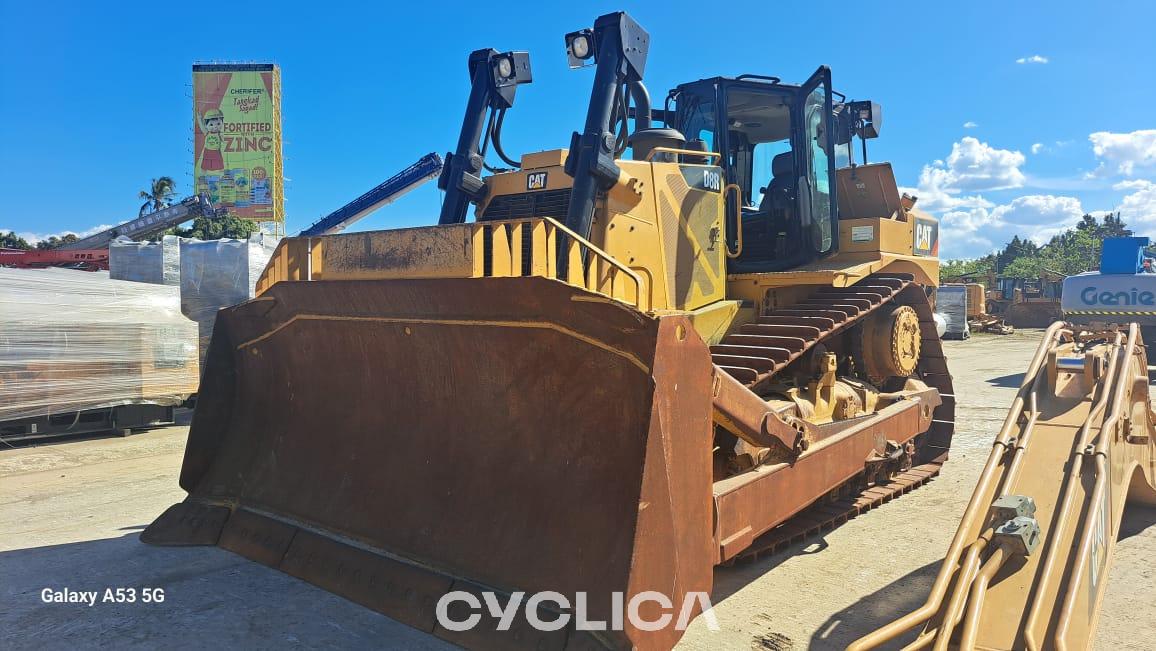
(428,167)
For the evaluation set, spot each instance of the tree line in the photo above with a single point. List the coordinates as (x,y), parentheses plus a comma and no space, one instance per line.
(11,240)
(1073,251)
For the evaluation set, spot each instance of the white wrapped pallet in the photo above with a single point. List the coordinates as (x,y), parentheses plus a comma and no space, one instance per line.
(146,262)
(74,340)
(951,302)
(220,273)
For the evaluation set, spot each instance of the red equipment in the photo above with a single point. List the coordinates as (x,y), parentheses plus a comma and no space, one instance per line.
(83,259)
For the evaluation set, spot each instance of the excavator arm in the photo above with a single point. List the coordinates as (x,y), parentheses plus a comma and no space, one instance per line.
(1028,566)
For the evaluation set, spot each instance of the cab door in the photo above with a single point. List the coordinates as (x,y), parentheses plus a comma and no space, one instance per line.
(815,164)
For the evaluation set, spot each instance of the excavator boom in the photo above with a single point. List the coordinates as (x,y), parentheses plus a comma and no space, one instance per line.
(1028,566)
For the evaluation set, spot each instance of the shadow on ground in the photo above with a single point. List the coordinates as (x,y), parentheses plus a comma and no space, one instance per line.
(909,593)
(181,418)
(876,610)
(898,598)
(730,579)
(1137,518)
(212,598)
(1012,381)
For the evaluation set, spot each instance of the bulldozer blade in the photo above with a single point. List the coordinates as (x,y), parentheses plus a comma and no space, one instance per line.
(393,441)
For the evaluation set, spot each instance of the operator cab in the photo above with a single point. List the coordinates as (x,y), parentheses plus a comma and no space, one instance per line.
(777,149)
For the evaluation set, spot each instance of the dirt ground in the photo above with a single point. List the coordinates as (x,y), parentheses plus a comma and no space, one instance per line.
(70,513)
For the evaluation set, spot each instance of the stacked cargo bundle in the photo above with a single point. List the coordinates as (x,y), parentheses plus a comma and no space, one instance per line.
(951,303)
(83,352)
(146,262)
(219,273)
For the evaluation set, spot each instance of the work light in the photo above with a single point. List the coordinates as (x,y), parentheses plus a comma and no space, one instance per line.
(505,68)
(510,69)
(579,47)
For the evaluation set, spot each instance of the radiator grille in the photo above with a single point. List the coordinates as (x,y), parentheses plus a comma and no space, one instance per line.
(551,203)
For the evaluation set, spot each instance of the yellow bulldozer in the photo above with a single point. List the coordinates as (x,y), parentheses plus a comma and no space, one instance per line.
(645,355)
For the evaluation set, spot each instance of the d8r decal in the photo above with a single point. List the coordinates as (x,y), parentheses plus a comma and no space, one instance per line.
(701,177)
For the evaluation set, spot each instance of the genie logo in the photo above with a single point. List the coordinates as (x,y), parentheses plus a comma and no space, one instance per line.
(1093,296)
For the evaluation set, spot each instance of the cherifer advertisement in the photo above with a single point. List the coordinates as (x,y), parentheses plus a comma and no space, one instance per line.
(237,138)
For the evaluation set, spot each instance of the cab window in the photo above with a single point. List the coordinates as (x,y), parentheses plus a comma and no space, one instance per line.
(758,131)
(762,167)
(700,124)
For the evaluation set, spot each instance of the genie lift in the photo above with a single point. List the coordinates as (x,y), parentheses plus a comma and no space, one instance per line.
(1122,291)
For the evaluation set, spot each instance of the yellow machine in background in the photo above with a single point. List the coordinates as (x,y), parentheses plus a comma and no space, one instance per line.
(1022,302)
(979,320)
(624,372)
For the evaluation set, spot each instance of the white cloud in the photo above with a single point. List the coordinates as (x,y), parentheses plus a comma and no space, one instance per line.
(952,185)
(972,166)
(1132,184)
(974,231)
(972,225)
(1138,209)
(978,230)
(1035,58)
(970,125)
(935,199)
(33,238)
(1039,209)
(1039,216)
(1124,151)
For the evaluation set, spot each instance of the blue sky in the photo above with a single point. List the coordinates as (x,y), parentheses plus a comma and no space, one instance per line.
(95,98)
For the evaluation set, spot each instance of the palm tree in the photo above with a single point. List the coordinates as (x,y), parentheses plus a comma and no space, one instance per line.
(159,196)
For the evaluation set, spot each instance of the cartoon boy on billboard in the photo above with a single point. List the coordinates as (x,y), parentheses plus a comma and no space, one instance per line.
(212,163)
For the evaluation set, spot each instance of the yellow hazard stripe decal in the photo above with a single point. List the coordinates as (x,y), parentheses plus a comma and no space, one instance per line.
(1110,313)
(541,325)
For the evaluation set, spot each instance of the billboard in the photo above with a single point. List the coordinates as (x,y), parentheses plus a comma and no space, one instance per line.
(237,140)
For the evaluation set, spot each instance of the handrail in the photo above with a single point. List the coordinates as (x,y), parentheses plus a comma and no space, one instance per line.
(574,237)
(738,220)
(301,258)
(292,259)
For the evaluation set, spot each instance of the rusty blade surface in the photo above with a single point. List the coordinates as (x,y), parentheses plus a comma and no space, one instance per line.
(390,440)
